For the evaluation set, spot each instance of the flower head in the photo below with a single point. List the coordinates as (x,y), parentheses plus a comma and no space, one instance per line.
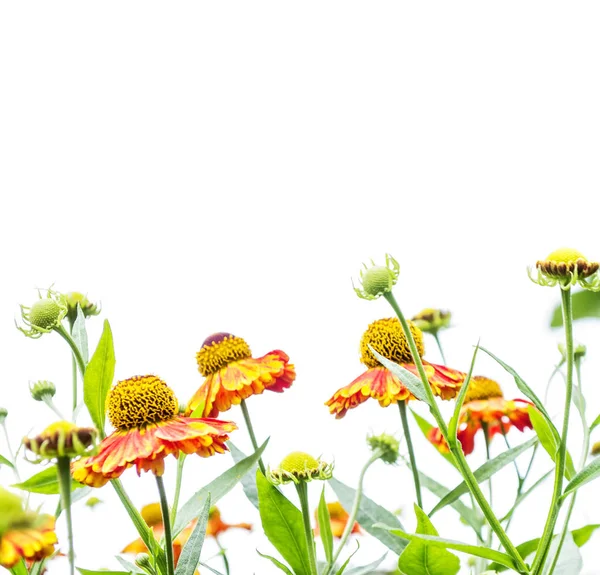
(596,448)
(44,315)
(23,534)
(232,374)
(299,466)
(485,406)
(145,413)
(432,320)
(567,267)
(338,518)
(387,445)
(378,280)
(62,439)
(41,390)
(387,338)
(74,299)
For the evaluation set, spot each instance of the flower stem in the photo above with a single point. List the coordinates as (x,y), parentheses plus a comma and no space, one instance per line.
(439,344)
(11,453)
(77,357)
(64,480)
(411,452)
(454,444)
(252,436)
(164,507)
(302,490)
(73,370)
(224,555)
(546,540)
(486,435)
(180,463)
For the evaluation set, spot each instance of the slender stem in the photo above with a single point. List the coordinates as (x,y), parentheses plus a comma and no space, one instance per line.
(64,480)
(224,555)
(486,435)
(73,370)
(546,540)
(76,353)
(11,453)
(164,507)
(454,445)
(439,344)
(48,401)
(180,463)
(411,452)
(252,436)
(302,490)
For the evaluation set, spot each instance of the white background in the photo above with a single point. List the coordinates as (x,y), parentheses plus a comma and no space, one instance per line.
(205,167)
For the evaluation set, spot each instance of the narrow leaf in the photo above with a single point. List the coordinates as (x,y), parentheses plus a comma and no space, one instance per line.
(584,304)
(99,377)
(88,572)
(587,474)
(276,562)
(80,335)
(4,461)
(453,425)
(345,564)
(190,554)
(366,569)
(283,525)
(425,426)
(595,424)
(485,472)
(212,570)
(19,568)
(131,568)
(325,527)
(46,482)
(248,480)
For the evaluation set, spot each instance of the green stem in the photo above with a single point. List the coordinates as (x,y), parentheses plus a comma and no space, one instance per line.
(180,463)
(224,555)
(454,445)
(302,490)
(48,401)
(164,507)
(252,436)
(64,480)
(73,370)
(546,540)
(411,452)
(11,453)
(486,435)
(76,353)
(439,344)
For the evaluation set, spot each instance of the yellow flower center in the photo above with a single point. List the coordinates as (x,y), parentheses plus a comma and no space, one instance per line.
(566,256)
(139,401)
(299,462)
(44,313)
(388,339)
(219,350)
(482,388)
(152,514)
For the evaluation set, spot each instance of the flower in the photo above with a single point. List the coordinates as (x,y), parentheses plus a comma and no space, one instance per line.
(62,439)
(566,267)
(42,389)
(23,534)
(378,280)
(338,519)
(595,449)
(432,320)
(144,411)
(484,405)
(232,374)
(74,299)
(299,466)
(44,315)
(388,339)
(387,445)
(216,526)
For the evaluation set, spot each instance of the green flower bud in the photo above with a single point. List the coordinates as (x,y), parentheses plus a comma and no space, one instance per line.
(44,315)
(387,444)
(432,320)
(299,466)
(143,560)
(75,298)
(42,389)
(378,280)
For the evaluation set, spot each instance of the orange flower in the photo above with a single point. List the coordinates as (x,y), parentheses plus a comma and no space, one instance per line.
(232,374)
(388,339)
(338,519)
(484,405)
(216,526)
(144,411)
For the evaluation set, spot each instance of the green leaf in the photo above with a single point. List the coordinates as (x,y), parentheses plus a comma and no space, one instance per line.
(212,570)
(370,513)
(347,562)
(276,562)
(19,568)
(595,424)
(99,377)
(131,568)
(46,482)
(283,525)
(485,472)
(325,527)
(585,304)
(420,558)
(366,569)
(190,554)
(549,442)
(248,480)
(88,572)
(4,461)
(453,425)
(587,474)
(582,535)
(217,489)
(425,426)
(409,379)
(80,335)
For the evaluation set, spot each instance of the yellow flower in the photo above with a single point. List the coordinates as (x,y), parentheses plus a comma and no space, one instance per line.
(567,267)
(338,519)
(299,466)
(62,439)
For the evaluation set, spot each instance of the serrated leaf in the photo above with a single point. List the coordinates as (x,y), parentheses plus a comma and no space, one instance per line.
(370,513)
(584,304)
(79,335)
(190,554)
(45,482)
(324,521)
(283,525)
(425,426)
(98,378)
(4,461)
(248,480)
(420,558)
(276,562)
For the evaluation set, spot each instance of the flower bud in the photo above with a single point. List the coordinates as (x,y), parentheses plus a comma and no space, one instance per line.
(3,414)
(432,320)
(92,502)
(143,560)
(299,466)
(42,389)
(596,448)
(378,280)
(388,445)
(75,298)
(567,267)
(62,439)
(44,315)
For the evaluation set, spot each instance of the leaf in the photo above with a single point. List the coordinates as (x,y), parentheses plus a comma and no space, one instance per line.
(453,425)
(582,535)
(98,378)
(79,335)
(425,426)
(131,568)
(283,525)
(214,570)
(4,461)
(346,563)
(485,472)
(190,554)
(217,488)
(366,569)
(46,482)
(420,558)
(276,562)
(370,513)
(587,474)
(19,568)
(595,424)
(569,561)
(248,480)
(410,380)
(325,527)
(88,572)
(584,304)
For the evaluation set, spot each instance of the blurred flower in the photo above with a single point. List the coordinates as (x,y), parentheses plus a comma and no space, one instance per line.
(338,520)
(388,445)
(62,439)
(216,526)
(566,267)
(42,389)
(144,411)
(93,502)
(3,414)
(432,320)
(298,467)
(232,374)
(596,448)
(378,280)
(388,339)
(75,298)
(23,534)
(484,405)
(44,315)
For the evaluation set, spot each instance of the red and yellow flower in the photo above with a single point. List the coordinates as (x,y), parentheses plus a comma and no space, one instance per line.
(388,339)
(485,406)
(338,520)
(144,412)
(232,374)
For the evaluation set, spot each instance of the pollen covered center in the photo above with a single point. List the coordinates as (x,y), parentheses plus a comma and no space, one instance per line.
(481,387)
(299,462)
(388,339)
(219,350)
(140,400)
